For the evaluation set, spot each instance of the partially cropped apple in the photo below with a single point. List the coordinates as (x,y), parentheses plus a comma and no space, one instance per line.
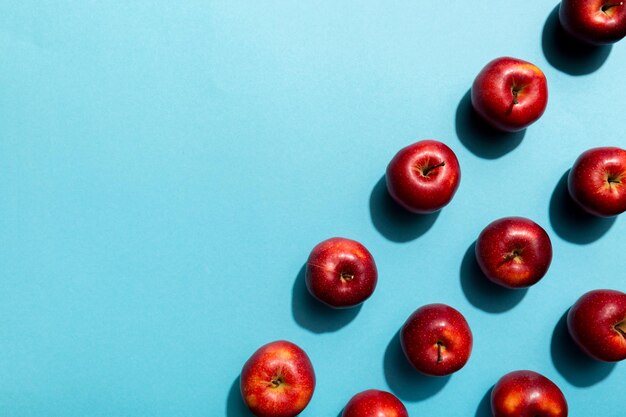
(341,272)
(374,403)
(514,252)
(527,393)
(423,177)
(594,21)
(278,380)
(597,181)
(436,340)
(597,323)
(510,94)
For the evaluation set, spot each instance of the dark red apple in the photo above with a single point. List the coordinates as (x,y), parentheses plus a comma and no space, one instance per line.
(424,176)
(527,393)
(597,181)
(594,21)
(437,340)
(374,403)
(597,323)
(341,272)
(510,94)
(278,380)
(514,252)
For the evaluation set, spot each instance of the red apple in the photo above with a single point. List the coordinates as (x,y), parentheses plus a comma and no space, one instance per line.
(597,323)
(278,380)
(374,403)
(527,393)
(424,176)
(514,252)
(510,94)
(341,272)
(436,339)
(594,21)
(597,181)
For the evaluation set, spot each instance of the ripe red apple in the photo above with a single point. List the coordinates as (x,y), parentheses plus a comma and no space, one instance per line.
(423,177)
(597,181)
(436,339)
(510,94)
(514,252)
(341,272)
(527,393)
(374,403)
(594,21)
(278,380)
(597,323)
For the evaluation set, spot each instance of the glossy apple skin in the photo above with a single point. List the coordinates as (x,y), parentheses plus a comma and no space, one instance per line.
(278,380)
(597,181)
(423,177)
(374,403)
(436,340)
(514,252)
(597,323)
(585,20)
(510,94)
(341,272)
(527,394)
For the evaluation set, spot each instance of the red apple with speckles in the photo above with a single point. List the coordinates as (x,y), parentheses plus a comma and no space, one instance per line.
(594,21)
(423,177)
(374,403)
(597,181)
(597,323)
(514,252)
(278,380)
(341,272)
(437,340)
(510,94)
(527,394)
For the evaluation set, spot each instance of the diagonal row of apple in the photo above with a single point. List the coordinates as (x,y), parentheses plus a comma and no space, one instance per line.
(509,94)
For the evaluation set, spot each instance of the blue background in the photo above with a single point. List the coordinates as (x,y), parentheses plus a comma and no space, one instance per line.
(166,167)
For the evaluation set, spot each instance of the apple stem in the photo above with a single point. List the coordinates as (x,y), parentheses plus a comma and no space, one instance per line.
(439,347)
(621,327)
(427,170)
(606,7)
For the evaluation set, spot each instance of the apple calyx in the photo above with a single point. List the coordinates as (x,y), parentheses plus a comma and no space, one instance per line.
(621,328)
(515,91)
(346,277)
(277,381)
(515,254)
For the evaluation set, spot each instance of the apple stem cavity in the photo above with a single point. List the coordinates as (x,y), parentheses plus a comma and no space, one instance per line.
(621,328)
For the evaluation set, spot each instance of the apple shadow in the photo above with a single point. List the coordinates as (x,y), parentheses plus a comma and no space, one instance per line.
(568,54)
(393,221)
(481,292)
(572,363)
(478,136)
(313,315)
(572,223)
(235,406)
(403,380)
(484,406)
